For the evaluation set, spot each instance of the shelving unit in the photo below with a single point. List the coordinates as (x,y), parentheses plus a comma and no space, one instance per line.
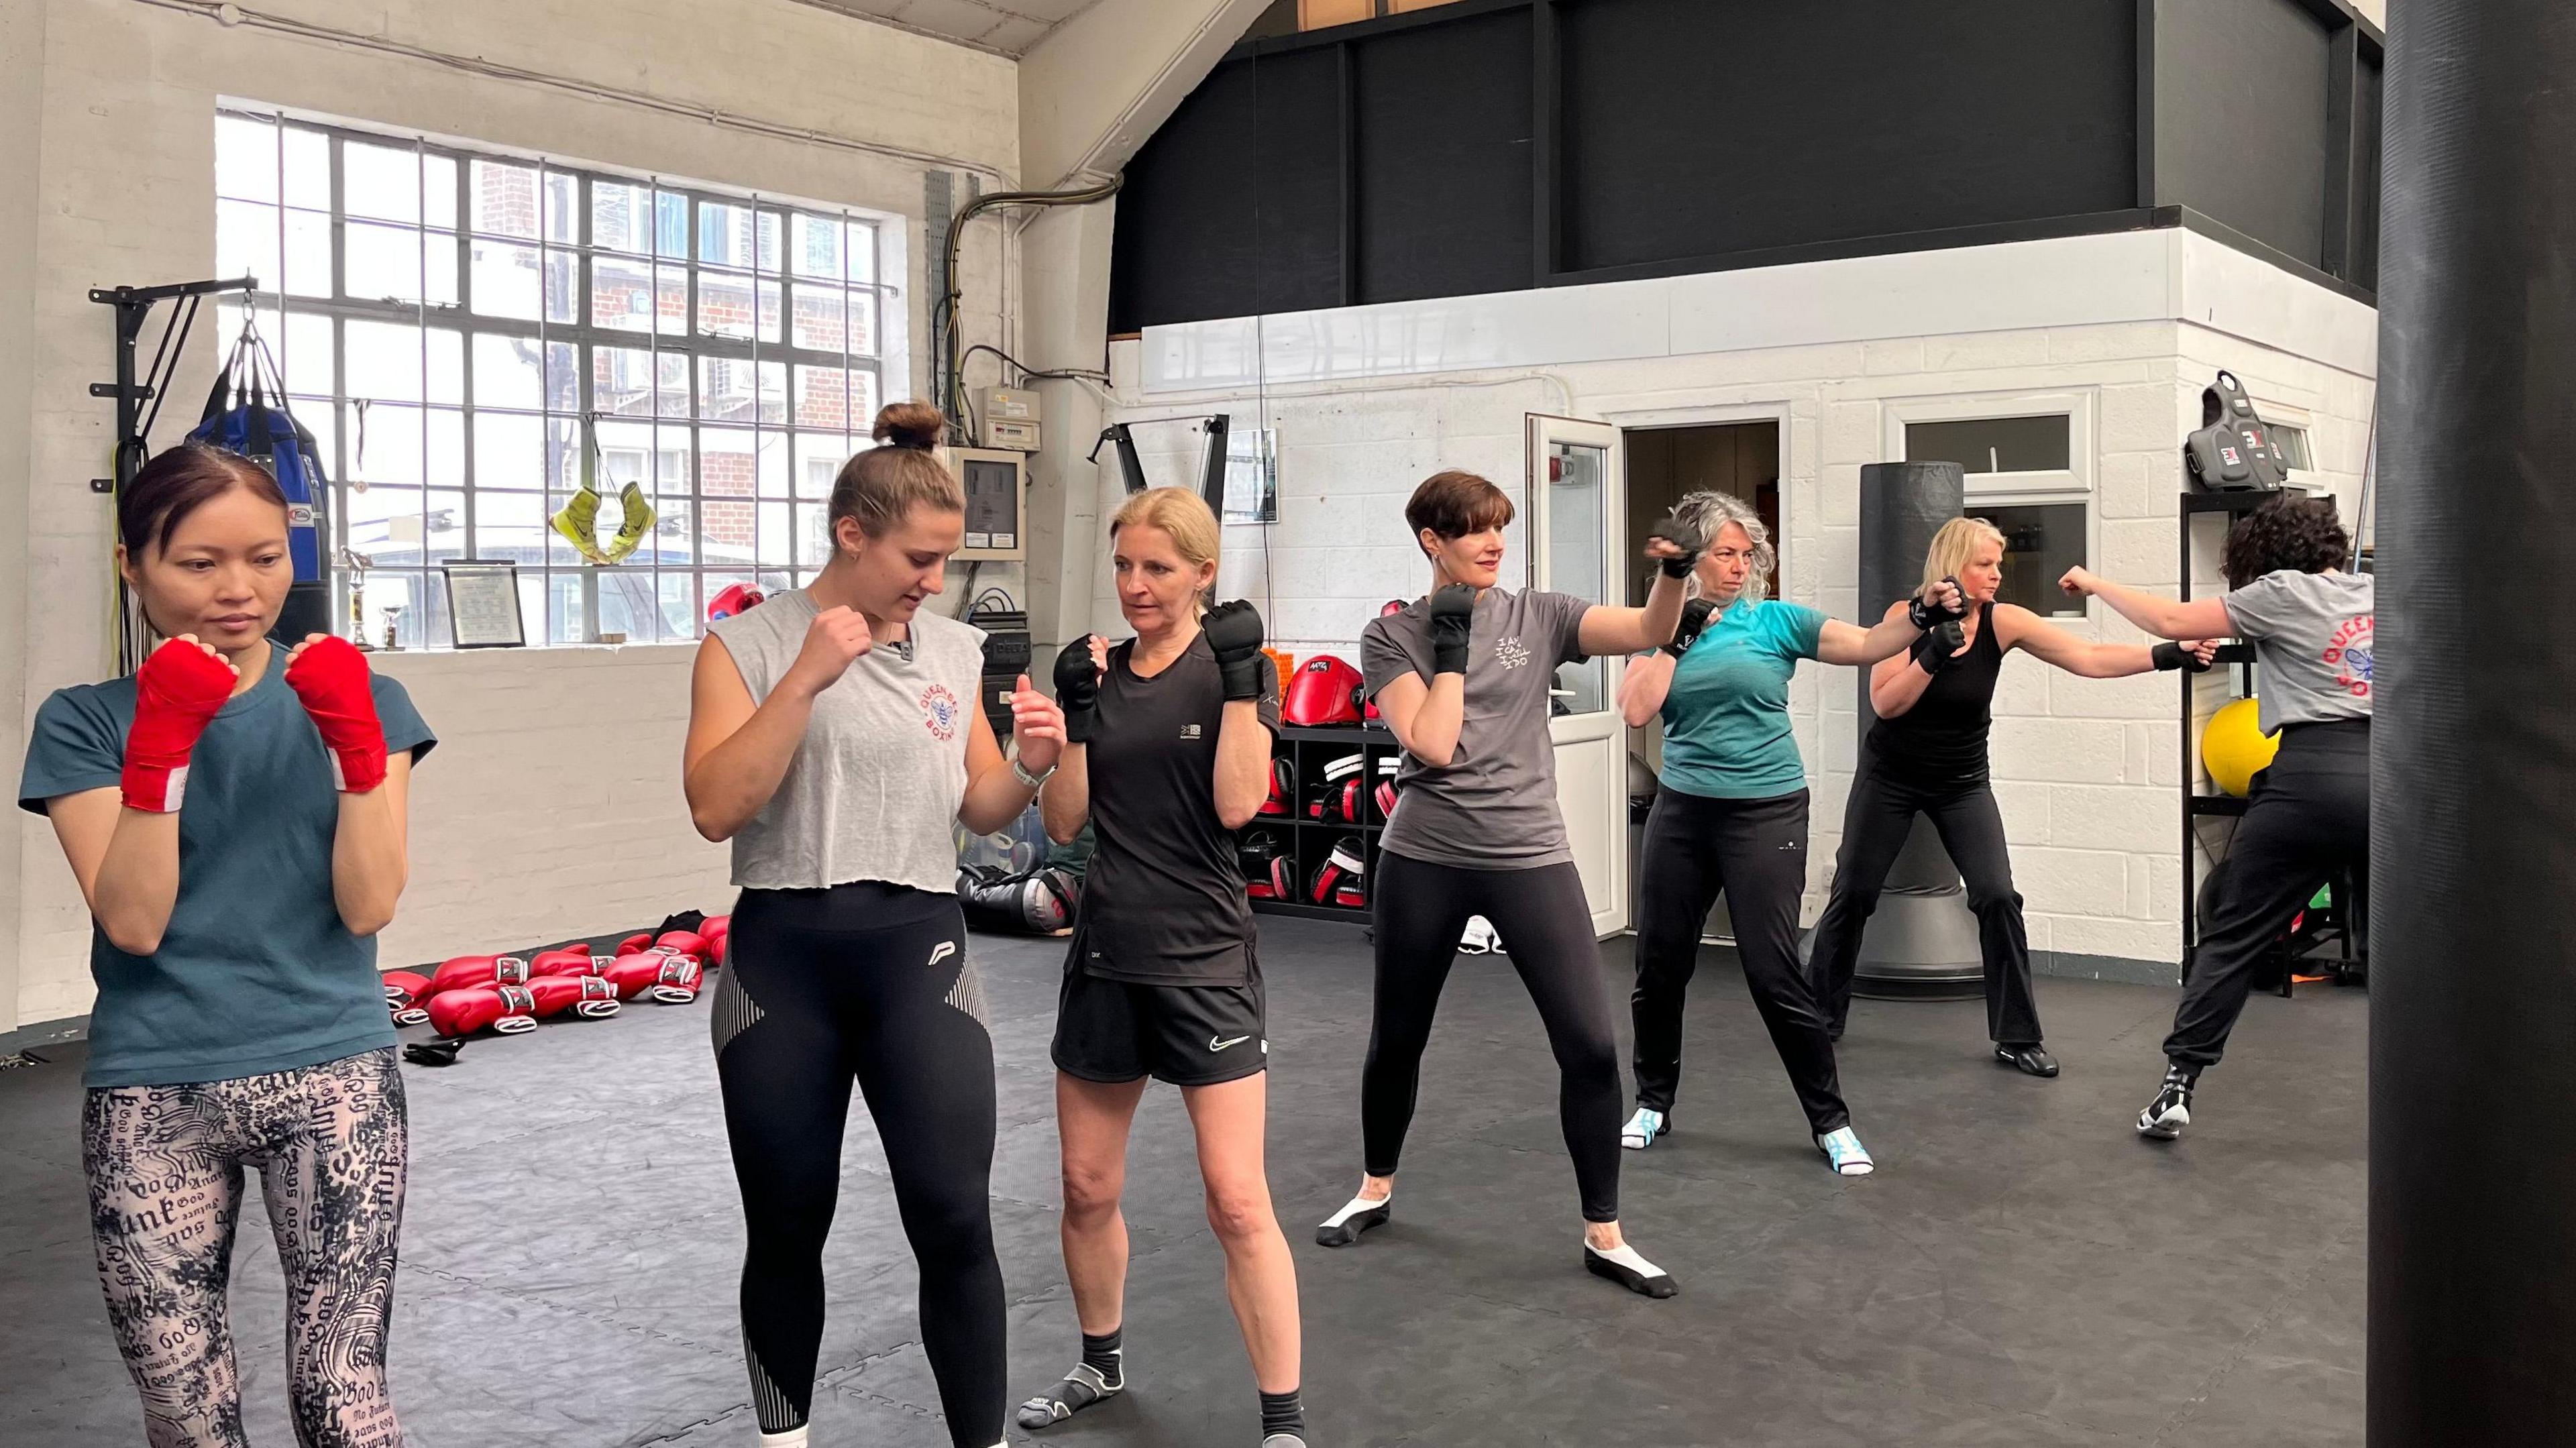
(1309,749)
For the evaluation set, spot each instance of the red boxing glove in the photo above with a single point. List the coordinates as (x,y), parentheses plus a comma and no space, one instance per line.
(586,996)
(635,944)
(404,986)
(508,1009)
(571,960)
(331,677)
(683,942)
(468,971)
(670,979)
(718,929)
(176,694)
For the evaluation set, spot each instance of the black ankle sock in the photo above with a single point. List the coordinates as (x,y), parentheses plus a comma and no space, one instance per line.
(1282,1413)
(1104,1355)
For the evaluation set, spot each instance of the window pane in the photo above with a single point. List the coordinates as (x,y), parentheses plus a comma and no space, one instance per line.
(621,216)
(2041,542)
(724,306)
(777,534)
(507,373)
(446,365)
(563,378)
(246,158)
(817,246)
(563,288)
(724,234)
(670,224)
(246,241)
(505,199)
(772,251)
(672,283)
(724,536)
(822,397)
(509,451)
(622,382)
(1575,492)
(727,387)
(438,191)
(384,361)
(304,352)
(384,445)
(565,623)
(621,294)
(562,206)
(384,524)
(386,263)
(1993,444)
(308,169)
(629,605)
(725,468)
(679,606)
(863,396)
(863,251)
(675,531)
(2293,443)
(818,464)
(505,279)
(446,536)
(510,525)
(821,319)
(308,254)
(863,323)
(813,541)
(563,459)
(381,182)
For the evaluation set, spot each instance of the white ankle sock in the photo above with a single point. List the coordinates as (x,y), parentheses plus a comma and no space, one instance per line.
(1356,1206)
(1628,1257)
(792,1438)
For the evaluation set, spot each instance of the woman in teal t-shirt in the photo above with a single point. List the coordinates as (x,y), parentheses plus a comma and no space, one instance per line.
(235,816)
(1732,812)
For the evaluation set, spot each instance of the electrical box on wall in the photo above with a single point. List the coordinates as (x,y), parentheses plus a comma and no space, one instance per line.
(997,495)
(1017,436)
(1009,404)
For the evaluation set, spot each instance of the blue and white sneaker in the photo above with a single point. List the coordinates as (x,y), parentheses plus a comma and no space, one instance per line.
(1643,1128)
(1845,1154)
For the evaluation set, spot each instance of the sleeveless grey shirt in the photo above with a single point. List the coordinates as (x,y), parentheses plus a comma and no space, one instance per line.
(873,791)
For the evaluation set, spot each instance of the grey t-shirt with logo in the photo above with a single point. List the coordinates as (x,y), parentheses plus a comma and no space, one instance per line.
(1493,806)
(2312,636)
(873,791)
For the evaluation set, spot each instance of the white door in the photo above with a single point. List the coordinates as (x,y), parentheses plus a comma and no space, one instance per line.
(1578,510)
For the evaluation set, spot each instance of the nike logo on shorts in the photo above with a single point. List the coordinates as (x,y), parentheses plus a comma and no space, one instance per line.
(942,951)
(1217,1045)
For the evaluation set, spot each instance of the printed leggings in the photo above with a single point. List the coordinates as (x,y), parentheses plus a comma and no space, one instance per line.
(1546,928)
(866,982)
(165,1188)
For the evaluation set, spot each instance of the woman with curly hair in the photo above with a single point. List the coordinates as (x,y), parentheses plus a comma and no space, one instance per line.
(2309,814)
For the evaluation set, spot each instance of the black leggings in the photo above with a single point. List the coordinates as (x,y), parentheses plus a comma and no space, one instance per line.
(1875,827)
(2308,817)
(867,982)
(1756,851)
(1546,927)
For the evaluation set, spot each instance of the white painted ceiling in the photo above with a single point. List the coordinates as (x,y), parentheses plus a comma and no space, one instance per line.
(1006,27)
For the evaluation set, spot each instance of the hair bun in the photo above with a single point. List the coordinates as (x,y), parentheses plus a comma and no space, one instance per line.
(915,425)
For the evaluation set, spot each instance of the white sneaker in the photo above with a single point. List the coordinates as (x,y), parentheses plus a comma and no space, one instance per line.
(1643,1128)
(1845,1153)
(1479,938)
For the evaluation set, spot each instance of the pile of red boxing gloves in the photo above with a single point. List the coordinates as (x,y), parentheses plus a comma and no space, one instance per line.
(509,994)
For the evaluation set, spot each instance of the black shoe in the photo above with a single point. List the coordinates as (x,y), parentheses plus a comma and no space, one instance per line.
(2170,1112)
(2031,1059)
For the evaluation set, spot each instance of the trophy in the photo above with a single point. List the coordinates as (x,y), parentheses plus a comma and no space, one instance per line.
(356,562)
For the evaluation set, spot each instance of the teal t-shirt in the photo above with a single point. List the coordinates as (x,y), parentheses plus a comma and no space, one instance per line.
(255,972)
(1726,719)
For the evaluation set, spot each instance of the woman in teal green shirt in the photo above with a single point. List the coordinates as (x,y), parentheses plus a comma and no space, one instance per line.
(1732,812)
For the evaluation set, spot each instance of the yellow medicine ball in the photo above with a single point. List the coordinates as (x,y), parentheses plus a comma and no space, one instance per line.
(2233,747)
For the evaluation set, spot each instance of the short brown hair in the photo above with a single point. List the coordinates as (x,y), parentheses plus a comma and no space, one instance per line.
(1455,503)
(177,482)
(880,486)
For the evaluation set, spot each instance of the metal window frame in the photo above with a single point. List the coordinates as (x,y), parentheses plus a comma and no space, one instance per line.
(586,337)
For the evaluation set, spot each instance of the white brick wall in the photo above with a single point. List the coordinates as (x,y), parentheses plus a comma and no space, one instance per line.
(553,806)
(2086,771)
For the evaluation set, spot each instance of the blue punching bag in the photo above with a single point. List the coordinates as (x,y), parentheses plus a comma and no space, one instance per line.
(242,417)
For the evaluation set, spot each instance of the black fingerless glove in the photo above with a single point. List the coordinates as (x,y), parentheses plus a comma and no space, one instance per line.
(1938,643)
(1924,613)
(1453,620)
(2175,656)
(1234,636)
(1673,528)
(1077,690)
(1695,617)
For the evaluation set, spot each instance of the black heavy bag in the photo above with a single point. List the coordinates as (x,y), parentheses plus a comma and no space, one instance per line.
(246,413)
(2473,754)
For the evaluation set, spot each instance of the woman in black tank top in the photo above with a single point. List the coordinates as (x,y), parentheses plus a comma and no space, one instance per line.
(1927,754)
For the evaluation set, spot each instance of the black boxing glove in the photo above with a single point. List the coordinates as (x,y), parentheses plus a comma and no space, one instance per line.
(1938,643)
(1234,636)
(1695,617)
(1077,690)
(1453,619)
(2175,656)
(1922,612)
(1680,532)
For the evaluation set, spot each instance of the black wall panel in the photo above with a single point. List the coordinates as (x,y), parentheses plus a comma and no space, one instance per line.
(1706,127)
(2241,117)
(1185,244)
(1297,200)
(2366,112)
(1443,115)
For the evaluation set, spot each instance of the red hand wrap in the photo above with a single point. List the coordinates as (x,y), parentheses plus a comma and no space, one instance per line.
(332,679)
(176,693)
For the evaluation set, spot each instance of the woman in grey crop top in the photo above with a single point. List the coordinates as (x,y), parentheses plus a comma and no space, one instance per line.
(2308,818)
(834,734)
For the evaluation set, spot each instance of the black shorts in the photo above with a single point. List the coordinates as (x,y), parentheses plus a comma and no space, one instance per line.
(1189,1035)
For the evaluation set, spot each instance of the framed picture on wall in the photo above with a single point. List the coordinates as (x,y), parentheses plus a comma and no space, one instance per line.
(483,604)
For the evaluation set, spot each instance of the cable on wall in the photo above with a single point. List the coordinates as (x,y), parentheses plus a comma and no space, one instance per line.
(950,374)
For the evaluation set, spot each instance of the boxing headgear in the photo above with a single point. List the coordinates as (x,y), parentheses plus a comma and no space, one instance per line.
(1325,691)
(736,598)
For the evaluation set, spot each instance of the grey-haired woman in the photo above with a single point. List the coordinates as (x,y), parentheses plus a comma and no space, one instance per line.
(1732,810)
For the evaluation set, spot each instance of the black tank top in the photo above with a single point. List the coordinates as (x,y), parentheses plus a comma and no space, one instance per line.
(1943,737)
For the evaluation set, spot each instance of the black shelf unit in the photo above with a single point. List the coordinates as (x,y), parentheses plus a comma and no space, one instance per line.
(2195,805)
(1308,749)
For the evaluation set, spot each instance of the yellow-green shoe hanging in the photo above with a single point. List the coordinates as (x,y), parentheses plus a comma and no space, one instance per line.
(577,522)
(634,528)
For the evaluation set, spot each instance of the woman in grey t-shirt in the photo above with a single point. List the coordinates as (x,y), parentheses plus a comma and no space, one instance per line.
(1463,677)
(834,733)
(2309,815)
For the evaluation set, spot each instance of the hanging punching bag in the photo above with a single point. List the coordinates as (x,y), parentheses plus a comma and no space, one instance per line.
(2473,756)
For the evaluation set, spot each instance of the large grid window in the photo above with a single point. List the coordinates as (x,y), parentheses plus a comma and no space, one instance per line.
(472,337)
